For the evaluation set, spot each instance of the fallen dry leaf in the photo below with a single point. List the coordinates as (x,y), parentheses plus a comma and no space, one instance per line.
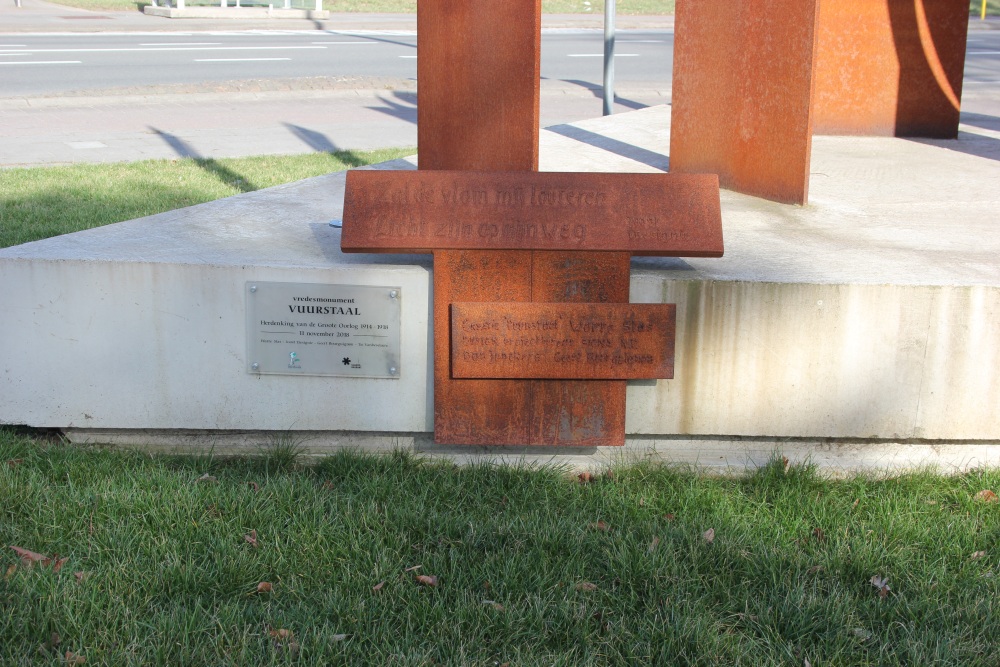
(987,496)
(709,535)
(377,587)
(74,659)
(599,525)
(881,584)
(338,638)
(819,535)
(586,586)
(251,539)
(652,545)
(586,477)
(254,485)
(264,587)
(81,576)
(327,486)
(281,633)
(669,516)
(10,571)
(788,464)
(978,554)
(206,478)
(861,633)
(29,558)
(856,503)
(413,568)
(14,462)
(495,605)
(426,580)
(814,569)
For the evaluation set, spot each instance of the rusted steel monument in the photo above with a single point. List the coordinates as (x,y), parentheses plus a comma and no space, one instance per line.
(533,333)
(754,80)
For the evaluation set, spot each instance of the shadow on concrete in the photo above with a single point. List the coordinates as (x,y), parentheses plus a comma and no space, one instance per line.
(225,175)
(316,140)
(630,151)
(404,109)
(598,92)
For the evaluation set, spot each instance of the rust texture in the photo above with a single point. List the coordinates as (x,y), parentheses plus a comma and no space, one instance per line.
(478,75)
(563,341)
(890,67)
(644,214)
(742,89)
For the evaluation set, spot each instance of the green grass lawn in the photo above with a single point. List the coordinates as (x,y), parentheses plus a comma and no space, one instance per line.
(165,557)
(38,203)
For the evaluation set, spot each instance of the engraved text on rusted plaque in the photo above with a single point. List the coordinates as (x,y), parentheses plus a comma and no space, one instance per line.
(642,214)
(563,341)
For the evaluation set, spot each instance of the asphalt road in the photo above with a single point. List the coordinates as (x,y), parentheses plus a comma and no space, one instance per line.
(33,65)
(98,97)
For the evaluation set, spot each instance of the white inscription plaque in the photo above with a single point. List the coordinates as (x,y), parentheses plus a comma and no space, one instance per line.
(316,329)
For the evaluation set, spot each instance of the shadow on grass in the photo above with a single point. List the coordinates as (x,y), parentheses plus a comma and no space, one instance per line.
(225,175)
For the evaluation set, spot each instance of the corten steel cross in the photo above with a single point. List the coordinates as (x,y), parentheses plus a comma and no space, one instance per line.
(504,235)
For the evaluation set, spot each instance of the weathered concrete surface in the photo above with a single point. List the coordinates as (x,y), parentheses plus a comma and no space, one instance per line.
(872,312)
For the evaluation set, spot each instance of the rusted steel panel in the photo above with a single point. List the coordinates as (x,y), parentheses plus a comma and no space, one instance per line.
(478,77)
(562,341)
(742,89)
(579,412)
(645,214)
(478,73)
(890,67)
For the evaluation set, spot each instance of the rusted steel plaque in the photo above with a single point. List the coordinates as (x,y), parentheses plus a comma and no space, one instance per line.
(890,67)
(742,90)
(562,341)
(643,214)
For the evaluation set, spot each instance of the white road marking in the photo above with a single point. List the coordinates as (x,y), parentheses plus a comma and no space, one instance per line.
(47,62)
(641,41)
(12,46)
(601,55)
(984,53)
(181,44)
(14,54)
(151,50)
(86,144)
(409,57)
(365,42)
(236,60)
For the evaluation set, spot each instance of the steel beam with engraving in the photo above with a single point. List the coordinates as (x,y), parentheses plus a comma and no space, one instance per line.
(317,329)
(642,214)
(563,341)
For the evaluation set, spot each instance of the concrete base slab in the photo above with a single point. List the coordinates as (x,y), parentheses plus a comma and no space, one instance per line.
(235,13)
(715,455)
(867,319)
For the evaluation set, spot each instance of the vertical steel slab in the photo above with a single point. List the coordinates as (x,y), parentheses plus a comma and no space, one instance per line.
(890,67)
(478,71)
(742,92)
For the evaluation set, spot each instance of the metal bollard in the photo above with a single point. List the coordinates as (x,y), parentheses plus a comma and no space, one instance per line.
(609,56)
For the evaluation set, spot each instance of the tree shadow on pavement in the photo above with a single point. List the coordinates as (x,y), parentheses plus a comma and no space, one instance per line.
(224,174)
(316,140)
(404,109)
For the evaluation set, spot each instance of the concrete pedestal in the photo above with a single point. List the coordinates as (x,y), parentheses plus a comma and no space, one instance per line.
(862,330)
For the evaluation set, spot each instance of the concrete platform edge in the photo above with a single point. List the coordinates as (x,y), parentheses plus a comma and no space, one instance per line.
(707,454)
